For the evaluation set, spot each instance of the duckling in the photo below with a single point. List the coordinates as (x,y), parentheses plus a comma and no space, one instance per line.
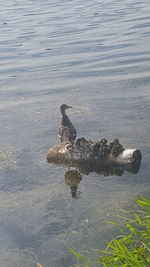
(117,148)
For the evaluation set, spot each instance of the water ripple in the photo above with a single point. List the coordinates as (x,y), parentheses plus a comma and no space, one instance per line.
(48,34)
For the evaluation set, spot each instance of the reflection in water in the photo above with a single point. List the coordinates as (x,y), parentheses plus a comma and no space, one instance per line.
(90,157)
(73,178)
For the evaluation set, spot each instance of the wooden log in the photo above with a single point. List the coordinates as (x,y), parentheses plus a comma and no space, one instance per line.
(87,159)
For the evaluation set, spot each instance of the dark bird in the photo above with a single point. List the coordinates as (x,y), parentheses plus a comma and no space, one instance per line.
(66,131)
(117,148)
(101,148)
(80,143)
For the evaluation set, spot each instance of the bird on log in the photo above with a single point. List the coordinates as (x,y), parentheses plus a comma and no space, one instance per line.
(66,131)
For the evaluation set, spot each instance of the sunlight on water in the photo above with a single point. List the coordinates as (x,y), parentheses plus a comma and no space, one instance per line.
(95,56)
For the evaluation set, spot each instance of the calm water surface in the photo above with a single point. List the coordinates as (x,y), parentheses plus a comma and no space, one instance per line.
(94,55)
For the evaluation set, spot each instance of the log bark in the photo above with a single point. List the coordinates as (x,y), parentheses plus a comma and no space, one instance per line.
(86,160)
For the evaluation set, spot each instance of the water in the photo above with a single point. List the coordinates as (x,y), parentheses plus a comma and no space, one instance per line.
(95,56)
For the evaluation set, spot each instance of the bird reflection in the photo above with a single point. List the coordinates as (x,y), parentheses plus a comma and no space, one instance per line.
(73,178)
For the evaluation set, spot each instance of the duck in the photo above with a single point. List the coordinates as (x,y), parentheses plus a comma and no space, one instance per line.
(116,147)
(66,131)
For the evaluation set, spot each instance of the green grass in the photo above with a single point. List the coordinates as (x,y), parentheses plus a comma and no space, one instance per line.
(132,245)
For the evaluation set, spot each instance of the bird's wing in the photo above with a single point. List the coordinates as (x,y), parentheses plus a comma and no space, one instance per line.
(64,133)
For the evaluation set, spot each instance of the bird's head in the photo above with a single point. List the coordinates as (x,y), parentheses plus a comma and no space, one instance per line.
(63,107)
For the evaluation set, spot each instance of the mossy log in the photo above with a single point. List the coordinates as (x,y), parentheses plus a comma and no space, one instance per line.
(98,156)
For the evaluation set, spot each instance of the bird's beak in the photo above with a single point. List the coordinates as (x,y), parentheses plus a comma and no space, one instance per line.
(69,107)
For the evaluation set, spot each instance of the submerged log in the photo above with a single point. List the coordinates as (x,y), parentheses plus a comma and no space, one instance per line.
(99,156)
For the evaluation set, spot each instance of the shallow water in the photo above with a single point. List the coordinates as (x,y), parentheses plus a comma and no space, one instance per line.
(94,55)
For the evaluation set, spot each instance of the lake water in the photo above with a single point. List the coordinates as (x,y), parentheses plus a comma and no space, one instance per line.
(95,56)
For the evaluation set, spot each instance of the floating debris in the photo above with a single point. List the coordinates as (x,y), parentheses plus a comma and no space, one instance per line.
(97,156)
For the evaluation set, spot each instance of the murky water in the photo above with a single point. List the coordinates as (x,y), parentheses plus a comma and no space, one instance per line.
(94,55)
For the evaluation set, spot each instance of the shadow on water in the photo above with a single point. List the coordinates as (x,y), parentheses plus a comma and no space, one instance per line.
(73,177)
(85,156)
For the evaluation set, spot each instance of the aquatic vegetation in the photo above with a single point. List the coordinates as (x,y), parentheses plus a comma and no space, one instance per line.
(132,246)
(7,159)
